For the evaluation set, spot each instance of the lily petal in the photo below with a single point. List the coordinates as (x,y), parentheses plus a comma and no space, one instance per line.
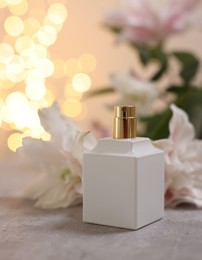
(181,130)
(42,153)
(57,124)
(59,160)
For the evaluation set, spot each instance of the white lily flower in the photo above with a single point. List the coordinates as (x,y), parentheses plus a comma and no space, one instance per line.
(60,160)
(152,21)
(183,161)
(134,91)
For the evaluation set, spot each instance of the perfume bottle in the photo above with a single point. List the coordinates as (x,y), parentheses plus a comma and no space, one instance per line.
(123,177)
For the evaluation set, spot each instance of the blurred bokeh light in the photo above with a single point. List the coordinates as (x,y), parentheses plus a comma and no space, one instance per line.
(27,64)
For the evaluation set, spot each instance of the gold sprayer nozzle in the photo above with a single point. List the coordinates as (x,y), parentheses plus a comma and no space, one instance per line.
(124,122)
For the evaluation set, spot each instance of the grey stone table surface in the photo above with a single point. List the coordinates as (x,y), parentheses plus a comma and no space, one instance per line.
(30,233)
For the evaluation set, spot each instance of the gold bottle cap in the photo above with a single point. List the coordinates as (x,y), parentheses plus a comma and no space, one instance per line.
(124,123)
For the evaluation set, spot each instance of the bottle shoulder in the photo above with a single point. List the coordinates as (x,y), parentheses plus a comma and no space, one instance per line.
(139,146)
(126,140)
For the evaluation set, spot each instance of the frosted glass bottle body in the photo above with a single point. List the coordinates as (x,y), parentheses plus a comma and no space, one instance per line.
(123,183)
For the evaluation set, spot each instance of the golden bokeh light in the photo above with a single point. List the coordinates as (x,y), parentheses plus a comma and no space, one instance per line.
(14,103)
(53,88)
(20,112)
(49,98)
(58,69)
(15,69)
(72,66)
(20,8)
(88,62)
(40,51)
(3,73)
(6,51)
(1,103)
(9,40)
(56,1)
(47,35)
(6,84)
(29,58)
(14,26)
(46,67)
(31,26)
(57,27)
(23,42)
(37,133)
(1,106)
(26,63)
(3,3)
(16,96)
(71,92)
(35,90)
(16,63)
(33,54)
(14,2)
(81,82)
(33,75)
(57,13)
(3,93)
(72,107)
(7,116)
(16,77)
(14,141)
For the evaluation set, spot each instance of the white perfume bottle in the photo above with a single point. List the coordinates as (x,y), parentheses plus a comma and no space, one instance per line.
(123,178)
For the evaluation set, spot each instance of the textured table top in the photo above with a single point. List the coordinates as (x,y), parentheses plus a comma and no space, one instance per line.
(30,233)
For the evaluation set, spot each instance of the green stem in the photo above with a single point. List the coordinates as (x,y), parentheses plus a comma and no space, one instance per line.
(161,126)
